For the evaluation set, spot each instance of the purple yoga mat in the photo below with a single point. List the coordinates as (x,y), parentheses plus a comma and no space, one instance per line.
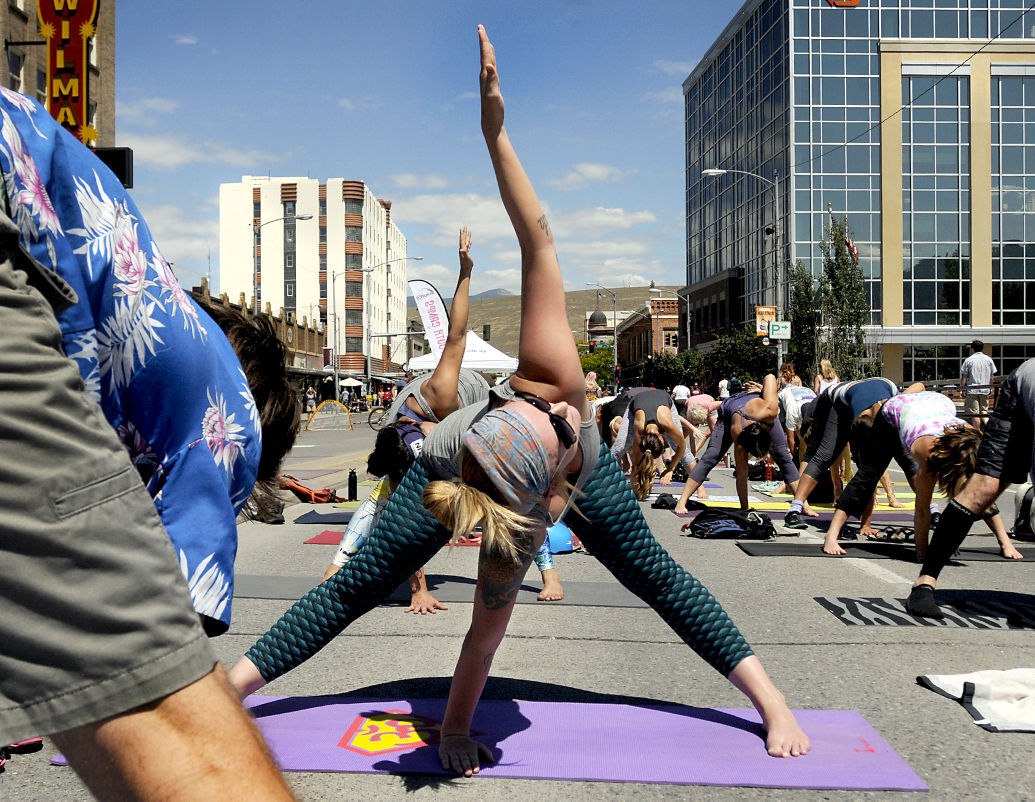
(575,741)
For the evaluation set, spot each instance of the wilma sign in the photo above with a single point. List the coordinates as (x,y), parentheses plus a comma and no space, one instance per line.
(67,25)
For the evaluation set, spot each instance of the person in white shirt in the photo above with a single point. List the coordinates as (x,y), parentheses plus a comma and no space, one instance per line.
(975,381)
(724,388)
(680,395)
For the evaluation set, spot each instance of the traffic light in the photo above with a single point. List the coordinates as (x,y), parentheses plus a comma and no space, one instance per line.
(592,347)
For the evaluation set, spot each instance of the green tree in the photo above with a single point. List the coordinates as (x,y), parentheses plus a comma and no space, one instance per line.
(602,361)
(843,305)
(804,317)
(739,354)
(668,370)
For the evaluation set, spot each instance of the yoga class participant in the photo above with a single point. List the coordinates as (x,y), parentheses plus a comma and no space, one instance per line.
(649,426)
(1004,456)
(836,410)
(511,466)
(748,422)
(123,407)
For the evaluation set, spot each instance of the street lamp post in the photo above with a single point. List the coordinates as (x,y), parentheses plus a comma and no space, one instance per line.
(614,327)
(255,253)
(334,312)
(774,184)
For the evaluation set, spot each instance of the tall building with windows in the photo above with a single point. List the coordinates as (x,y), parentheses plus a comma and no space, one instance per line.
(24,67)
(327,251)
(909,118)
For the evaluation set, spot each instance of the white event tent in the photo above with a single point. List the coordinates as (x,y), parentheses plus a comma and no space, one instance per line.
(478,355)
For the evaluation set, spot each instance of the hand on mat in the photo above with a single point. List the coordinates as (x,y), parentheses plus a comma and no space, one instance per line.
(463,754)
(666,477)
(868,532)
(423,603)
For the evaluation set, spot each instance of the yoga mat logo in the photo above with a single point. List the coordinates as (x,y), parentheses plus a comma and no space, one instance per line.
(390,731)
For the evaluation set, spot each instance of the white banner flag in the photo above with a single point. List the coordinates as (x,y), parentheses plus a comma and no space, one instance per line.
(433,313)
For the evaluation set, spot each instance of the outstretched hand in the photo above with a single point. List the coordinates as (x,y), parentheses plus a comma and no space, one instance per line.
(463,754)
(489,81)
(466,262)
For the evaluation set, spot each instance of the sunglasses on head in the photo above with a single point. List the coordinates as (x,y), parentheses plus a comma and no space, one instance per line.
(565,434)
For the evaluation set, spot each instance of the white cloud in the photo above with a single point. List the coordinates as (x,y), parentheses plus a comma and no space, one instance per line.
(585,172)
(145,109)
(414,181)
(167,152)
(468,96)
(483,214)
(347,104)
(670,94)
(185,242)
(185,39)
(581,222)
(680,68)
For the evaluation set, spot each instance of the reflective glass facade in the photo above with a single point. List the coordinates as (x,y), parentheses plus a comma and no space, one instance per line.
(900,116)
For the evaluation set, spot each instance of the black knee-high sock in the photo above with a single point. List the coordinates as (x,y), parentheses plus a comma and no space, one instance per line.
(948,536)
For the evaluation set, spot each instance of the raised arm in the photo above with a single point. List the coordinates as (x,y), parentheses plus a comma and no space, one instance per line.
(440,391)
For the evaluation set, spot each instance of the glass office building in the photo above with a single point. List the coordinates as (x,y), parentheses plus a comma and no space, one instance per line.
(912,119)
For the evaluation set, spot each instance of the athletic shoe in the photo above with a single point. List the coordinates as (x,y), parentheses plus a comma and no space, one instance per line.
(792,520)
(3,759)
(921,603)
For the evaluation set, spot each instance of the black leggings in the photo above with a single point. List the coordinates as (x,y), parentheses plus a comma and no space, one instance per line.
(882,444)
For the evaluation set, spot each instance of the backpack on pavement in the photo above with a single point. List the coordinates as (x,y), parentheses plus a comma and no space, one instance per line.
(740,524)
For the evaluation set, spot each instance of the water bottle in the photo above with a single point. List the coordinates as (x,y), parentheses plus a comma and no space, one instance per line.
(353,485)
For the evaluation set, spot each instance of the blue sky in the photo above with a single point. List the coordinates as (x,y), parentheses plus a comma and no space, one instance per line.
(387,93)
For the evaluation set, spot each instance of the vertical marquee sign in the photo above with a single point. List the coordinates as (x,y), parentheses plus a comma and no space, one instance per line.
(67,25)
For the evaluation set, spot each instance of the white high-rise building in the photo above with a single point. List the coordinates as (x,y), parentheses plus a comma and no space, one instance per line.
(324,251)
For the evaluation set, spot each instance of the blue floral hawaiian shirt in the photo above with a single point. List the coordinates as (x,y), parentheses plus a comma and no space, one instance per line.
(163,372)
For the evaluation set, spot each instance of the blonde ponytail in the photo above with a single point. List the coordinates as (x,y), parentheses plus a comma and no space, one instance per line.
(460,506)
(643,475)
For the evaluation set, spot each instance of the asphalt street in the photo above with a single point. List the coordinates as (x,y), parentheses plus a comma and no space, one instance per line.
(600,652)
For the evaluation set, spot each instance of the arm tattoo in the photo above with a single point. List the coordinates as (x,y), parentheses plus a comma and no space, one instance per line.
(500,580)
(544,224)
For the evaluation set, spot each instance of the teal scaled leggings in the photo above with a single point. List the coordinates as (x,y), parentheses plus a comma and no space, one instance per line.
(407,536)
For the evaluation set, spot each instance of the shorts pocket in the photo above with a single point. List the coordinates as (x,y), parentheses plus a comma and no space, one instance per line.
(79,499)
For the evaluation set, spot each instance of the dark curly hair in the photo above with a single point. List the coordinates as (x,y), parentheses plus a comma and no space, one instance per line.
(390,456)
(755,439)
(953,458)
(263,358)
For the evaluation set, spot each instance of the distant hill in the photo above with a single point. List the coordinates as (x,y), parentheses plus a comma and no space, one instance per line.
(503,312)
(497,293)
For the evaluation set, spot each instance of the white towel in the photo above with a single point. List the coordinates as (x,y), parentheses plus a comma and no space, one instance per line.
(999,701)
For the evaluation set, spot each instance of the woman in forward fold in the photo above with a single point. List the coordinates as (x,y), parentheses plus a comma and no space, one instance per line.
(509,467)
(944,447)
(650,424)
(748,422)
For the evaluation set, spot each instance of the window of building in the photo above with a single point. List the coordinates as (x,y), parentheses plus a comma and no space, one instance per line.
(353,234)
(1013,200)
(354,345)
(353,289)
(289,208)
(15,63)
(256,210)
(353,317)
(353,261)
(323,207)
(353,206)
(936,200)
(41,85)
(323,233)
(289,289)
(289,260)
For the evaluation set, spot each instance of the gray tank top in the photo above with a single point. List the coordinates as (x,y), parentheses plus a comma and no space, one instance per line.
(442,446)
(470,386)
